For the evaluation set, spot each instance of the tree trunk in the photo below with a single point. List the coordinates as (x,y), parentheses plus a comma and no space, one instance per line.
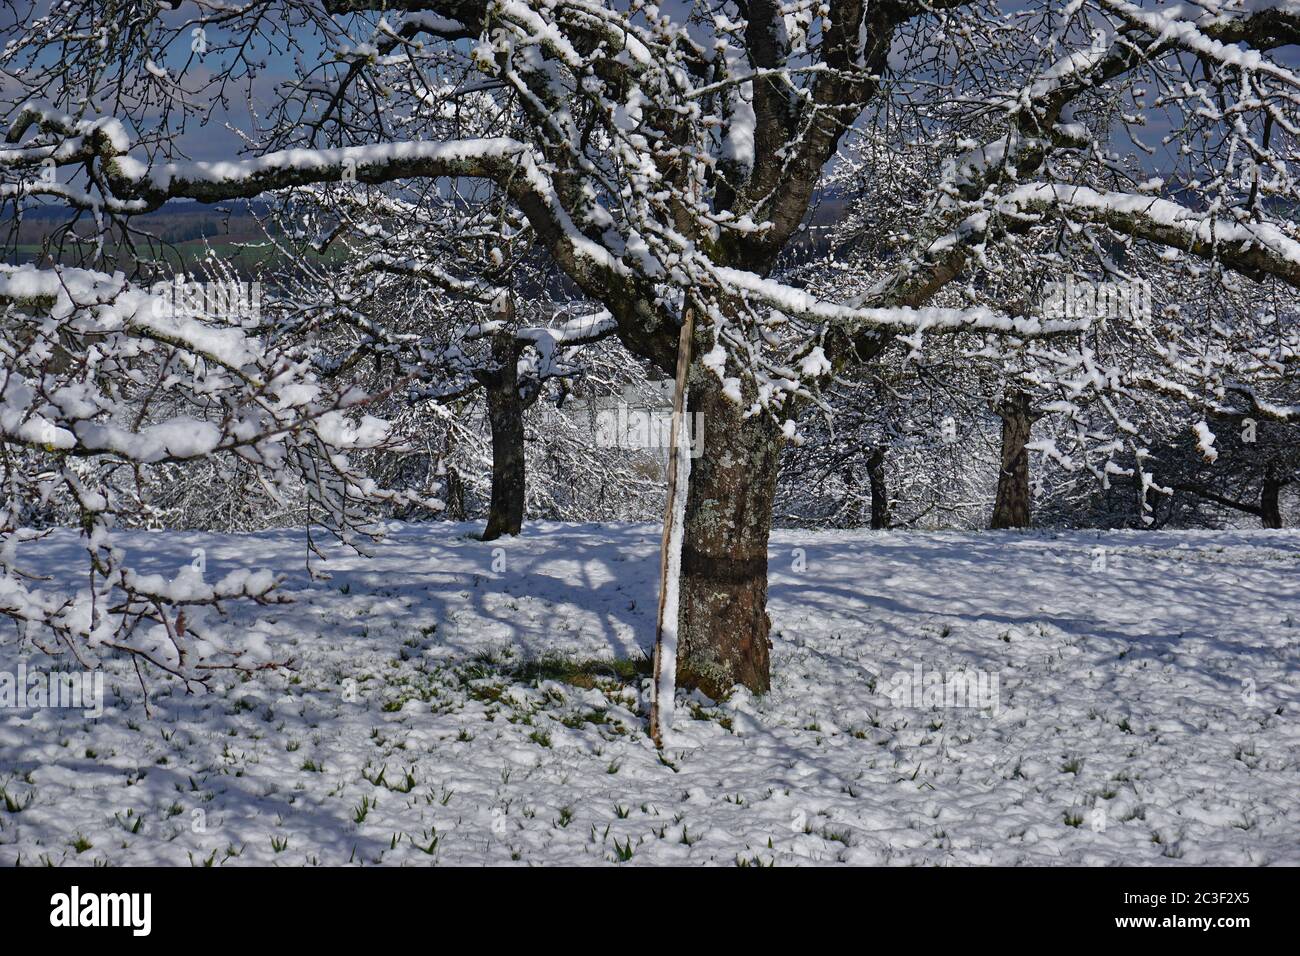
(1270,511)
(455,495)
(454,485)
(506,415)
(1011,510)
(852,514)
(723,624)
(879,491)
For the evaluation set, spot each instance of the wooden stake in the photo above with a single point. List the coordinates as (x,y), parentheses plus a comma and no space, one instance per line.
(679,411)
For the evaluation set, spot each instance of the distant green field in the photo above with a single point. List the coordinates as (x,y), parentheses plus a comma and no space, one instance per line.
(245,257)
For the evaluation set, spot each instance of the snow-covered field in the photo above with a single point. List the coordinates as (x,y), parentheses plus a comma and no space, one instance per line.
(1143,712)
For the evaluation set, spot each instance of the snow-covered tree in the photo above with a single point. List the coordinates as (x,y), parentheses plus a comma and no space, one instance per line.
(667,160)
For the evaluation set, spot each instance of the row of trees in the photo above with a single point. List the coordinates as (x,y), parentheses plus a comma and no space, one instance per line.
(474,157)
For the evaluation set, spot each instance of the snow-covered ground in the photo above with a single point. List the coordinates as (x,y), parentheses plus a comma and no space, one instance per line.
(1143,712)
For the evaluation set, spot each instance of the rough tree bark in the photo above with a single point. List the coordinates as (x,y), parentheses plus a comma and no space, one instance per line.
(506,407)
(455,485)
(879,490)
(506,511)
(1270,510)
(455,495)
(853,505)
(723,637)
(1011,509)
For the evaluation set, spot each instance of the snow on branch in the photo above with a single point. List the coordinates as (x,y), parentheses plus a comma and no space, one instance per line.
(798,303)
(1217,36)
(383,162)
(103,383)
(1256,249)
